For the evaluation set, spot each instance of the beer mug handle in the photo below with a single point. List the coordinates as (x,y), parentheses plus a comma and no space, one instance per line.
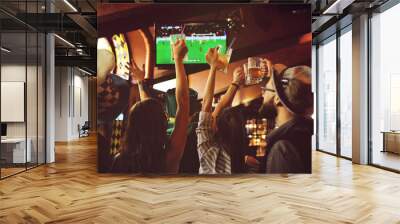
(247,80)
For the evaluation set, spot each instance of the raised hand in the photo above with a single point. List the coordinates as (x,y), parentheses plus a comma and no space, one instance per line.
(212,58)
(180,50)
(238,75)
(136,73)
(266,68)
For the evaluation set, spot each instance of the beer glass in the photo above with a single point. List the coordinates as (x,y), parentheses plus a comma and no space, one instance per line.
(224,58)
(253,71)
(173,38)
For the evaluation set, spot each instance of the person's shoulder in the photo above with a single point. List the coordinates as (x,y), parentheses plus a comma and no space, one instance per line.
(284,157)
(303,126)
(282,146)
(283,149)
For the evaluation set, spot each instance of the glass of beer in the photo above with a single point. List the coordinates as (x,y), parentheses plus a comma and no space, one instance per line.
(224,58)
(253,71)
(173,38)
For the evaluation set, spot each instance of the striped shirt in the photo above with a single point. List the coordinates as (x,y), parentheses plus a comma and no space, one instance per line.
(213,158)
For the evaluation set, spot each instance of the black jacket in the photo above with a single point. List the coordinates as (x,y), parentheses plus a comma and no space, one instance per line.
(289,147)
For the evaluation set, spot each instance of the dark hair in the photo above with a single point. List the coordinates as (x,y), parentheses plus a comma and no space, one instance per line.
(299,95)
(146,136)
(231,133)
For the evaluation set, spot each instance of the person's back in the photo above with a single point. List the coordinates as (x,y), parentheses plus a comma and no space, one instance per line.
(289,147)
(220,133)
(288,102)
(147,149)
(145,139)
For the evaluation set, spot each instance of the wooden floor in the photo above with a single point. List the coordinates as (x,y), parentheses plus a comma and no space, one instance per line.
(71,191)
(387,159)
(5,172)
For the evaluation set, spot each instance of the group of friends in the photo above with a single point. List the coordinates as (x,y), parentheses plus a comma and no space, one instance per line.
(221,134)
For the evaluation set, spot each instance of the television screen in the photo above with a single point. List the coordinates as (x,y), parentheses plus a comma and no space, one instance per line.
(199,38)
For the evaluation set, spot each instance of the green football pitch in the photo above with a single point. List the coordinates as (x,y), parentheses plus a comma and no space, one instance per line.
(197,50)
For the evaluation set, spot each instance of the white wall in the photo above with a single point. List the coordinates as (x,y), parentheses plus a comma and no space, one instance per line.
(33,127)
(71,102)
(16,73)
(81,102)
(61,103)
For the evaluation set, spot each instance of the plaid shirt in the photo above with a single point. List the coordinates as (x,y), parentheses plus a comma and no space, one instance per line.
(213,157)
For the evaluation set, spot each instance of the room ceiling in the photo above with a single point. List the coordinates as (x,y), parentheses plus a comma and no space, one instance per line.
(270,36)
(81,27)
(77,27)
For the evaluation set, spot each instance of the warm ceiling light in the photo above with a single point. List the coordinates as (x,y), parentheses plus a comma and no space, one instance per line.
(5,50)
(64,40)
(306,38)
(70,5)
(165,86)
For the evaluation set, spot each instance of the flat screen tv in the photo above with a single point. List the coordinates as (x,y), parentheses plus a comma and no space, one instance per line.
(199,38)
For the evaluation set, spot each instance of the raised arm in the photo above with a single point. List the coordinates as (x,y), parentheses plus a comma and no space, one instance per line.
(212,60)
(142,76)
(144,89)
(179,135)
(227,98)
(150,56)
(138,76)
(148,69)
(209,91)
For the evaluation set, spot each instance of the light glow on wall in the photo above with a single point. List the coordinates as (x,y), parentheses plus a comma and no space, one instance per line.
(166,85)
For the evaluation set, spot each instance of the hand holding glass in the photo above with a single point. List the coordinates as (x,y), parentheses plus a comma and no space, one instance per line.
(224,58)
(253,71)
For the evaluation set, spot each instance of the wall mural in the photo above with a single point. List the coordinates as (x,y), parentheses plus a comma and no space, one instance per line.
(204,88)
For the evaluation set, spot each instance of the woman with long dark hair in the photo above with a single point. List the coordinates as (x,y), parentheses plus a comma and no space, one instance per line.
(147,148)
(221,137)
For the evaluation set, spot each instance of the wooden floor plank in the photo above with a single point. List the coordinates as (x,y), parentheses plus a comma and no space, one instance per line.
(71,191)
